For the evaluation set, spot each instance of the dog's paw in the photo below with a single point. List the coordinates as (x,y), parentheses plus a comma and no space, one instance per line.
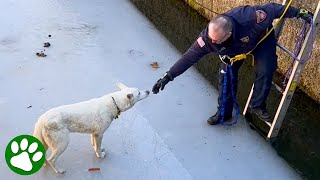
(61,171)
(101,149)
(102,155)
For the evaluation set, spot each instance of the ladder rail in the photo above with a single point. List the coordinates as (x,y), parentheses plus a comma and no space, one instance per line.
(295,76)
(248,101)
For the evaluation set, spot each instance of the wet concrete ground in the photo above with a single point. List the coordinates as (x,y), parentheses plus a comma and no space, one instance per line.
(298,140)
(94,44)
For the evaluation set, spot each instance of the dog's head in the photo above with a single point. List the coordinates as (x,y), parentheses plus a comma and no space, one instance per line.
(128,96)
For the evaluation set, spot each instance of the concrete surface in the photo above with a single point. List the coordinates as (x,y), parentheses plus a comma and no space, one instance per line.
(94,44)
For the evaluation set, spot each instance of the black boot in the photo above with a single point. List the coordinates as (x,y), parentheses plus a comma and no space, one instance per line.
(215,119)
(262,114)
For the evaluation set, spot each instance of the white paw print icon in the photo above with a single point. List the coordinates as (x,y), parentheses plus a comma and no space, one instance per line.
(26,156)
(22,160)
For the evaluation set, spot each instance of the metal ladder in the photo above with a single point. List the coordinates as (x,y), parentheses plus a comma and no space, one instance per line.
(294,79)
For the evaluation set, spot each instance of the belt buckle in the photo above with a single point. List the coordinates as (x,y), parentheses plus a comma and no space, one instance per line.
(223,59)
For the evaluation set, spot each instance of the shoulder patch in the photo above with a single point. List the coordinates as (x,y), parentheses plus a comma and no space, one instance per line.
(201,42)
(261,16)
(245,39)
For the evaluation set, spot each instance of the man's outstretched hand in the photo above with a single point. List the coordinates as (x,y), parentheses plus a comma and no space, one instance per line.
(161,83)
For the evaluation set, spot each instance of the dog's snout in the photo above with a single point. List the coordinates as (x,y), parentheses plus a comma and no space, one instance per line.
(148,92)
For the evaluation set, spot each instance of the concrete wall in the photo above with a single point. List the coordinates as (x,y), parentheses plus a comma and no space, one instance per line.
(310,81)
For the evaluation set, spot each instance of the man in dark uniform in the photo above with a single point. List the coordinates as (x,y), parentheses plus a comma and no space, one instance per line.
(232,33)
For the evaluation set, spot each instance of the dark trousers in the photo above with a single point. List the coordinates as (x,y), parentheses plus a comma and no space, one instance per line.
(265,59)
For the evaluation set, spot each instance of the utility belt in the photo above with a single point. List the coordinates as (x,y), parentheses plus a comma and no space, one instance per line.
(226,59)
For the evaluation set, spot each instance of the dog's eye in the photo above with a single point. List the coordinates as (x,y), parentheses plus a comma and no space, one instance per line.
(139,93)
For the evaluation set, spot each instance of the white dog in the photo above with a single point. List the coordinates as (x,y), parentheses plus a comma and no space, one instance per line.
(93,116)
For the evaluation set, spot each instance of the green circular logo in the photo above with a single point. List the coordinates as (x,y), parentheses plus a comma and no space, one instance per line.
(25,155)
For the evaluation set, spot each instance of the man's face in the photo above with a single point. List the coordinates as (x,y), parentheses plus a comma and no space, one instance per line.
(216,34)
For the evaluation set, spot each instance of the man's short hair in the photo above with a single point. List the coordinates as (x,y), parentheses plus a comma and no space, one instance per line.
(222,22)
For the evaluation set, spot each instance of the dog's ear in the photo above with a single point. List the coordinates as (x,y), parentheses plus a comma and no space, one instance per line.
(130,96)
(121,86)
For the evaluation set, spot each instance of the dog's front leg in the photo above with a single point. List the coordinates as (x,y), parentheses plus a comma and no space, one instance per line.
(93,143)
(97,147)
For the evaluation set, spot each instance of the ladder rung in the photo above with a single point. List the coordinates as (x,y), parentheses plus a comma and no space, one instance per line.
(268,123)
(287,51)
(278,87)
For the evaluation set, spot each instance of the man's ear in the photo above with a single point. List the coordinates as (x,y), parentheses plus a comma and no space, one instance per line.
(121,86)
(229,34)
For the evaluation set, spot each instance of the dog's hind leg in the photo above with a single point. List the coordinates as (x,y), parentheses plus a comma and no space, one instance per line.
(52,159)
(58,145)
(97,147)
(45,150)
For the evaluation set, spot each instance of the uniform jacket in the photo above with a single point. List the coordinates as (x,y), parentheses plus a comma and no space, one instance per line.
(249,24)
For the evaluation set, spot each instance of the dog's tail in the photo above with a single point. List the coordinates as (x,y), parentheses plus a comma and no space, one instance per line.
(38,133)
